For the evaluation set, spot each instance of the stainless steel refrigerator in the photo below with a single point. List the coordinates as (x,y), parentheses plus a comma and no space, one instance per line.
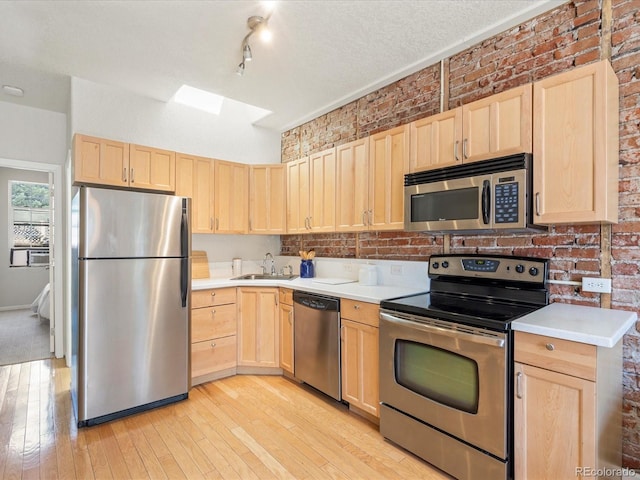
(131,302)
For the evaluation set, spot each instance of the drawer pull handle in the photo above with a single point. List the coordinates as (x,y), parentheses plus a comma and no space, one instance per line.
(213,344)
(550,347)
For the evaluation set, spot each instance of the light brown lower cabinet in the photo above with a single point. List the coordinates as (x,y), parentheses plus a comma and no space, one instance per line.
(360,368)
(213,334)
(567,408)
(258,328)
(286,330)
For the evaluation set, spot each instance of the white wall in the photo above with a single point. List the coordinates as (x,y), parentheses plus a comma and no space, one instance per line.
(109,112)
(19,286)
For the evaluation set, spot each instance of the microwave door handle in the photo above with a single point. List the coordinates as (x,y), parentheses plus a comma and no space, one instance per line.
(486,202)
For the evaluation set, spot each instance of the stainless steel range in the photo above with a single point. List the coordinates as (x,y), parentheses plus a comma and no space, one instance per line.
(446,362)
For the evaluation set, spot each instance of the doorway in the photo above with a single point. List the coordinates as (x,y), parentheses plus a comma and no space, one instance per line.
(53,304)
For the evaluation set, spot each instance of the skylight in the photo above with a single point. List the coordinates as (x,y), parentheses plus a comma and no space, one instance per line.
(212,103)
(200,99)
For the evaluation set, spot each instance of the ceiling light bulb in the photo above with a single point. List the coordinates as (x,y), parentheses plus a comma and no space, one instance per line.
(246,53)
(265,34)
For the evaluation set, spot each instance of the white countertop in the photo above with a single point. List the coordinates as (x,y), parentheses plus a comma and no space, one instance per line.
(352,291)
(602,327)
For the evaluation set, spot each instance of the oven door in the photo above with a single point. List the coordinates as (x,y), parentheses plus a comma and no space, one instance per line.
(449,376)
(459,204)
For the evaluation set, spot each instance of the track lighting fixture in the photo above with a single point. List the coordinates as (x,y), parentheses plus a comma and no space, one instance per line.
(256,24)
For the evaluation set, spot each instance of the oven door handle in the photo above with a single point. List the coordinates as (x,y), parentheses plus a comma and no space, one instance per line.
(470,337)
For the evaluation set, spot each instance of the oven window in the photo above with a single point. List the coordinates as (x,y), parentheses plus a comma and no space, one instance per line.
(460,204)
(438,374)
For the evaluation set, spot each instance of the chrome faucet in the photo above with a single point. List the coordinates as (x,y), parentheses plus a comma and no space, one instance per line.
(264,264)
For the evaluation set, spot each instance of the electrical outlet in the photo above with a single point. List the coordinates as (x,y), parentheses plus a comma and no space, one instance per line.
(598,285)
(396,269)
(348,267)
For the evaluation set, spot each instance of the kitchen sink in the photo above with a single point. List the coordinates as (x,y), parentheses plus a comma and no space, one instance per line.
(264,276)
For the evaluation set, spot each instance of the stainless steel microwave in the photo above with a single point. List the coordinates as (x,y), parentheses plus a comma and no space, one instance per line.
(492,195)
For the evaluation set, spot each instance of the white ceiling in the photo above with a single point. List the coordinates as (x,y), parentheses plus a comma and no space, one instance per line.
(323,53)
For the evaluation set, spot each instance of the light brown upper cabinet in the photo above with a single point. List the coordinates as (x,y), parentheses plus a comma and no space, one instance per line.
(298,196)
(575,148)
(388,160)
(231,197)
(311,193)
(267,199)
(194,178)
(151,168)
(492,127)
(322,191)
(352,190)
(100,161)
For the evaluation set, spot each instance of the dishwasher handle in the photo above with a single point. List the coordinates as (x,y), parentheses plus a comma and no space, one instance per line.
(316,302)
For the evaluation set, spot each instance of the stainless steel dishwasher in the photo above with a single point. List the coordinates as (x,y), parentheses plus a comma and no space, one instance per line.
(317,342)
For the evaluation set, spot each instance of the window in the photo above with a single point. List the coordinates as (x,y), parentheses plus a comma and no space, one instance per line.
(29,224)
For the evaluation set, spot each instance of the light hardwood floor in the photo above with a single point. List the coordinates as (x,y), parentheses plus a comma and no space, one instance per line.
(243,427)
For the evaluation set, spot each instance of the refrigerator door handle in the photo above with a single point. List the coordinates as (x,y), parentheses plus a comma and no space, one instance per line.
(184,230)
(184,280)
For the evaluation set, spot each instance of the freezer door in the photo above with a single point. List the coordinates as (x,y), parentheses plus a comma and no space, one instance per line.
(133,335)
(122,224)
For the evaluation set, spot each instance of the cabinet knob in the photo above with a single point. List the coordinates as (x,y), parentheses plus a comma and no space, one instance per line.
(213,344)
(213,313)
(213,294)
(357,307)
(550,347)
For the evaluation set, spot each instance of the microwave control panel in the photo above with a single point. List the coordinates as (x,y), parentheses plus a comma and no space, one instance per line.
(506,202)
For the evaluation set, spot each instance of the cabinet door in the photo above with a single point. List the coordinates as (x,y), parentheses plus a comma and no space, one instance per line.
(498,125)
(352,189)
(286,337)
(258,322)
(231,193)
(360,366)
(298,196)
(100,162)
(322,191)
(203,197)
(388,160)
(152,168)
(436,141)
(575,149)
(267,202)
(185,176)
(555,430)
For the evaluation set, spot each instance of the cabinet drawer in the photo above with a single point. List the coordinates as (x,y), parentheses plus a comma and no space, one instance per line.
(564,356)
(363,312)
(213,355)
(213,322)
(212,296)
(286,296)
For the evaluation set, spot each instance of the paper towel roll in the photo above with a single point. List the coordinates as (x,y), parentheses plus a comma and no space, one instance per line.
(236,267)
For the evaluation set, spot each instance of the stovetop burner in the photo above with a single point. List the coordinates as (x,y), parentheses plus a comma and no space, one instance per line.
(487,291)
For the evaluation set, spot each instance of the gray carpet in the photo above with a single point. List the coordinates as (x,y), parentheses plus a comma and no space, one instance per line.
(23,337)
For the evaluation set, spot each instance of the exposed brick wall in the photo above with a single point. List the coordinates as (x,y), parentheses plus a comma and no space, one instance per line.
(568,36)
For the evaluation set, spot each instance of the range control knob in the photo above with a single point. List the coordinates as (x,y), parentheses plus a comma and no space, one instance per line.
(435,265)
(519,268)
(533,271)
(445,264)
